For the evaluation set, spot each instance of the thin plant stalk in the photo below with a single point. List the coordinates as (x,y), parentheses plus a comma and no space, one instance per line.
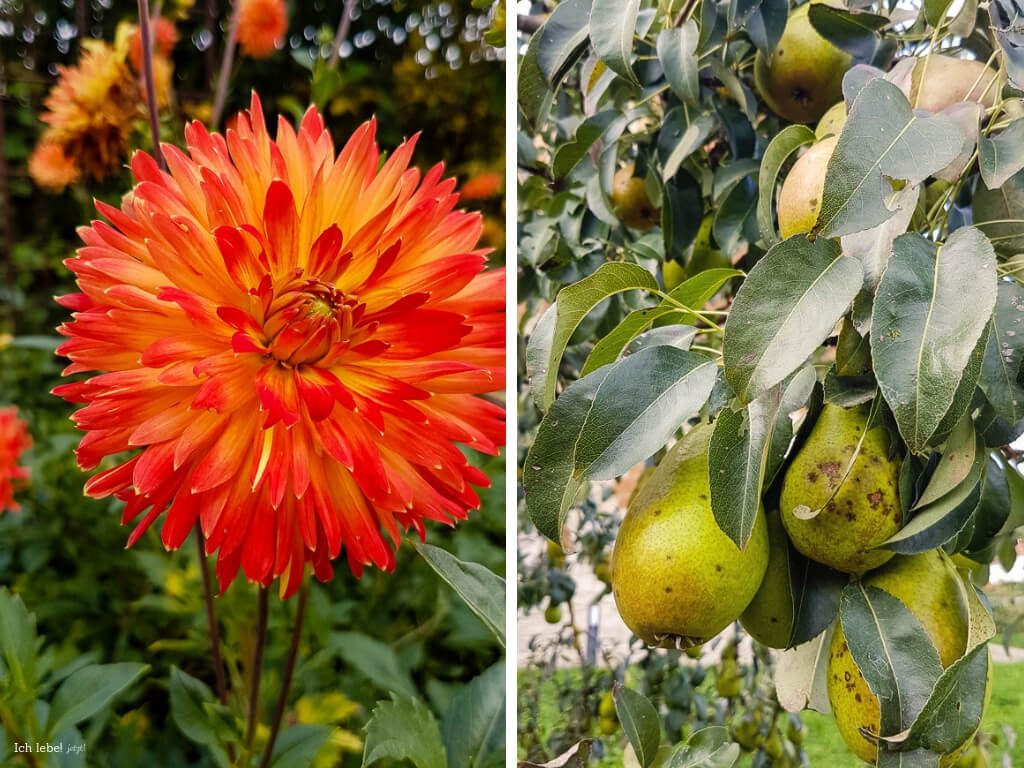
(286,680)
(227,60)
(344,25)
(211,620)
(146,36)
(257,667)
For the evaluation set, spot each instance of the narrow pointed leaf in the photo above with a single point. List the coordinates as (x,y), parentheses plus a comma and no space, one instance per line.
(931,309)
(892,651)
(782,146)
(480,588)
(1004,354)
(788,305)
(612,25)
(556,326)
(882,139)
(608,421)
(677,48)
(640,723)
(953,711)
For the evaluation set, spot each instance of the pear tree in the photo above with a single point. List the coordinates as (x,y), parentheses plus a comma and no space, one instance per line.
(808,323)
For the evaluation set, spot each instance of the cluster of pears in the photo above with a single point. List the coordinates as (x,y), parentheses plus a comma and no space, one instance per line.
(678,580)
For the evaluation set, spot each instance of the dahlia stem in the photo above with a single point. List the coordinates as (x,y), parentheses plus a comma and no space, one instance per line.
(286,680)
(344,25)
(225,68)
(146,36)
(257,667)
(211,620)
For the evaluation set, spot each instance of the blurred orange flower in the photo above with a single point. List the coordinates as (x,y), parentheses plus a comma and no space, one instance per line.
(14,441)
(164,40)
(261,27)
(51,169)
(91,109)
(294,343)
(482,186)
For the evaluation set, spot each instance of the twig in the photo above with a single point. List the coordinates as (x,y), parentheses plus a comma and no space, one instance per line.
(257,666)
(344,25)
(211,620)
(225,68)
(146,35)
(210,54)
(214,631)
(286,680)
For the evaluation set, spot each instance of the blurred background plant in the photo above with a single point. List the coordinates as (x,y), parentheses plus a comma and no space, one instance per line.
(64,575)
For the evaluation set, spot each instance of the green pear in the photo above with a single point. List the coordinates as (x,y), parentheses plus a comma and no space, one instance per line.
(832,122)
(801,193)
(928,585)
(769,617)
(804,74)
(678,580)
(859,504)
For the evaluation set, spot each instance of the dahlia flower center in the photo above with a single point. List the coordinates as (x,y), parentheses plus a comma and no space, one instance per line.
(306,323)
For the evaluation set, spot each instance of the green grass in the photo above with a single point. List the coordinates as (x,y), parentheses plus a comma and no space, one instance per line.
(824,745)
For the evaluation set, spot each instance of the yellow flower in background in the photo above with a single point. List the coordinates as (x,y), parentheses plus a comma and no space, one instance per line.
(51,169)
(330,709)
(92,109)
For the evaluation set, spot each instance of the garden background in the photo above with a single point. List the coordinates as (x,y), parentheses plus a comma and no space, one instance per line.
(417,66)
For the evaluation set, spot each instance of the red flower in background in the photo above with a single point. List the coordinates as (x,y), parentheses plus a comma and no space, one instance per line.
(294,344)
(14,441)
(262,25)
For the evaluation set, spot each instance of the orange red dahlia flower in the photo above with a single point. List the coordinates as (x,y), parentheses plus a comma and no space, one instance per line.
(14,441)
(293,342)
(262,25)
(92,109)
(50,168)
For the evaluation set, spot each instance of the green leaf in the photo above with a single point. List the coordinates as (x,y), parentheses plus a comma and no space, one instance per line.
(553,50)
(473,729)
(694,293)
(551,336)
(1004,354)
(958,459)
(18,641)
(930,312)
(953,711)
(608,421)
(480,588)
(943,519)
(741,450)
(981,627)
(88,691)
(874,246)
(563,38)
(999,213)
(640,723)
(374,660)
(681,135)
(1002,155)
(882,139)
(736,465)
(782,146)
(298,746)
(814,590)
(404,729)
(677,52)
(569,155)
(707,748)
(189,701)
(612,24)
(892,651)
(788,305)
(935,11)
(855,32)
